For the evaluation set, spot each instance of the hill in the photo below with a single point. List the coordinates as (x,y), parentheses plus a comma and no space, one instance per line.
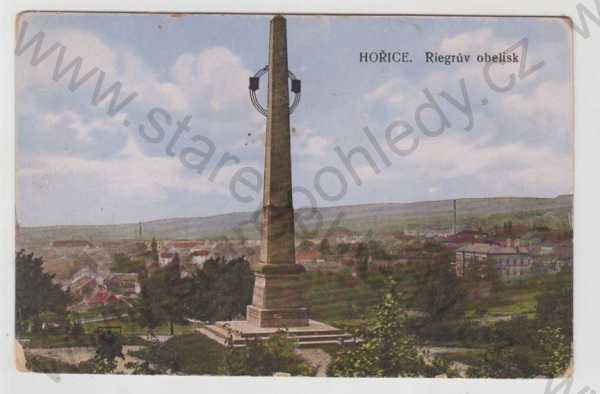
(380,218)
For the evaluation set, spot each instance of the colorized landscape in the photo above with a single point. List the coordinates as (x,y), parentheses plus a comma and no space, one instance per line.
(426,230)
(476,316)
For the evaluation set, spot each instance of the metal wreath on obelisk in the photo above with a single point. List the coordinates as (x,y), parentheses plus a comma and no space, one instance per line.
(278,299)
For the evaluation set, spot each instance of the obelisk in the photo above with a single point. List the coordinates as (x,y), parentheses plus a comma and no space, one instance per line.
(278,295)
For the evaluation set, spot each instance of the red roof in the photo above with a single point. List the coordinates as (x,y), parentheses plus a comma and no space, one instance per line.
(185,244)
(103,297)
(201,253)
(307,255)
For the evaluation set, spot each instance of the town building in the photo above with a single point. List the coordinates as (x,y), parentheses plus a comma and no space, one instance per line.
(124,283)
(511,262)
(165,258)
(199,257)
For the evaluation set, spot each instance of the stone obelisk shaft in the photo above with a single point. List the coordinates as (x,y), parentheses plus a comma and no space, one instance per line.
(278,295)
(277,245)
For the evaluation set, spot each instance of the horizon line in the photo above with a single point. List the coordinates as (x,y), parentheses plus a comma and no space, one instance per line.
(295,208)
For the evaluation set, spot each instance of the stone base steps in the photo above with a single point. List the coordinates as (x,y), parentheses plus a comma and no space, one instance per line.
(305,338)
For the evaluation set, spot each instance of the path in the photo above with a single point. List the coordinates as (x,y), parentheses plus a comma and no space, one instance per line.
(75,355)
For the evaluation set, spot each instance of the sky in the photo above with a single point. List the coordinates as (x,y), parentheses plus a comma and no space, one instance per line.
(77,163)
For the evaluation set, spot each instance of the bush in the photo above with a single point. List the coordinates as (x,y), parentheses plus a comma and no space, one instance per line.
(557,352)
(265,357)
(387,349)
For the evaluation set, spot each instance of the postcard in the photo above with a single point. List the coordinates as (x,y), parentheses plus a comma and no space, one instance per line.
(294,195)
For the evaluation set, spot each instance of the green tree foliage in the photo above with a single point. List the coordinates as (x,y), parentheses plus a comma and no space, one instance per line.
(503,363)
(556,351)
(76,329)
(324,247)
(123,264)
(305,245)
(526,348)
(199,355)
(35,292)
(521,350)
(221,290)
(555,306)
(387,349)
(439,292)
(148,311)
(109,347)
(265,357)
(154,248)
(361,261)
(342,248)
(164,297)
(376,250)
(508,227)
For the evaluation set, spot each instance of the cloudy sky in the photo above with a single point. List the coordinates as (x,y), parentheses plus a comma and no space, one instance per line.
(76,164)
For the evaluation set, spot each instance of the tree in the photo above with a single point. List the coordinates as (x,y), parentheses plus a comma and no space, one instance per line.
(221,290)
(154,250)
(386,350)
(164,297)
(123,264)
(361,261)
(439,291)
(507,227)
(154,246)
(342,248)
(146,311)
(555,305)
(557,351)
(504,362)
(305,245)
(376,250)
(324,247)
(109,347)
(35,292)
(265,357)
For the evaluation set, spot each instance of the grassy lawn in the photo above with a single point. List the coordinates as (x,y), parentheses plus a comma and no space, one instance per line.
(340,296)
(511,299)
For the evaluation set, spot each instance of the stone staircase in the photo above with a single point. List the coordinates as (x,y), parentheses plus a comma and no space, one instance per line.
(240,333)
